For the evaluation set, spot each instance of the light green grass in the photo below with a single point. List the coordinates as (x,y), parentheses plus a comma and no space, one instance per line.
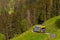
(50,28)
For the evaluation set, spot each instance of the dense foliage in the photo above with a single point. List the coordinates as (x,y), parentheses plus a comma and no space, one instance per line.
(16,16)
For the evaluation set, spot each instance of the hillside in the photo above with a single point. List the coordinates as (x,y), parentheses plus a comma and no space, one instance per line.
(52,27)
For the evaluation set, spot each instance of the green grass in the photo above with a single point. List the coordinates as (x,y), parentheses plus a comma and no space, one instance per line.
(51,27)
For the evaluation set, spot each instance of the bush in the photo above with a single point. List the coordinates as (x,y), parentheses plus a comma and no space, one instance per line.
(1,36)
(24,25)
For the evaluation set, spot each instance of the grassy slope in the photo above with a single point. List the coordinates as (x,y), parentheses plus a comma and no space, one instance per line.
(51,28)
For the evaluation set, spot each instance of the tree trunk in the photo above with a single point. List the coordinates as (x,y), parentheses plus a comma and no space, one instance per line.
(28,18)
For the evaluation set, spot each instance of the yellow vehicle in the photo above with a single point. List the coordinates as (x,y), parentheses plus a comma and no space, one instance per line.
(43,28)
(39,28)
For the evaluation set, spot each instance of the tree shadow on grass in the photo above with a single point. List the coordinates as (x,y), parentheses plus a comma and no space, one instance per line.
(57,23)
